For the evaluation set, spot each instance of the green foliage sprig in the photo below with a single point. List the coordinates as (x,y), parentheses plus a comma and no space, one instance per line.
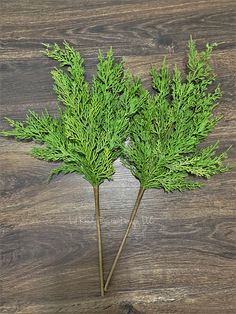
(165,134)
(91,128)
(163,149)
(88,134)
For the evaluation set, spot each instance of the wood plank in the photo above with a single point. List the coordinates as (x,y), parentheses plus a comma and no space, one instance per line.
(132,27)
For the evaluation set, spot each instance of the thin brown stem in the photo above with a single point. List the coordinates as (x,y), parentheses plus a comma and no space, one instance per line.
(132,216)
(97,211)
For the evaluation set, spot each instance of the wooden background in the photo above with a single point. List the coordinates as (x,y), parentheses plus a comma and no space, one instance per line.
(180,257)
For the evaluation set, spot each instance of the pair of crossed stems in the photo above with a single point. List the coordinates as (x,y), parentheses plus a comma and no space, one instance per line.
(156,135)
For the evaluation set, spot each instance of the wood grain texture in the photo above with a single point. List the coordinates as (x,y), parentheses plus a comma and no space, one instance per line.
(180,256)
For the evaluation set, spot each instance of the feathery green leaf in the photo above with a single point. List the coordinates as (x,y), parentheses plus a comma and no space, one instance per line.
(88,134)
(166,132)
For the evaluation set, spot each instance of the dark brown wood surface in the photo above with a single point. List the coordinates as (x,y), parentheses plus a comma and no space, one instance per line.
(180,256)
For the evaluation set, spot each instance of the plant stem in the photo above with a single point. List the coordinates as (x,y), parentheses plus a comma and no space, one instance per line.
(97,211)
(132,216)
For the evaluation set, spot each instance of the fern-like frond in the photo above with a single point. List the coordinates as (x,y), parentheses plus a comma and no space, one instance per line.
(165,134)
(90,130)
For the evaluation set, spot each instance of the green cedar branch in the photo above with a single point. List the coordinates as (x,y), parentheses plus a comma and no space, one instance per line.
(163,149)
(90,130)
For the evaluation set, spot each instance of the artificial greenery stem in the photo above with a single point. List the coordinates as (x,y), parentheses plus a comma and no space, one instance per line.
(87,134)
(131,220)
(98,225)
(164,149)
